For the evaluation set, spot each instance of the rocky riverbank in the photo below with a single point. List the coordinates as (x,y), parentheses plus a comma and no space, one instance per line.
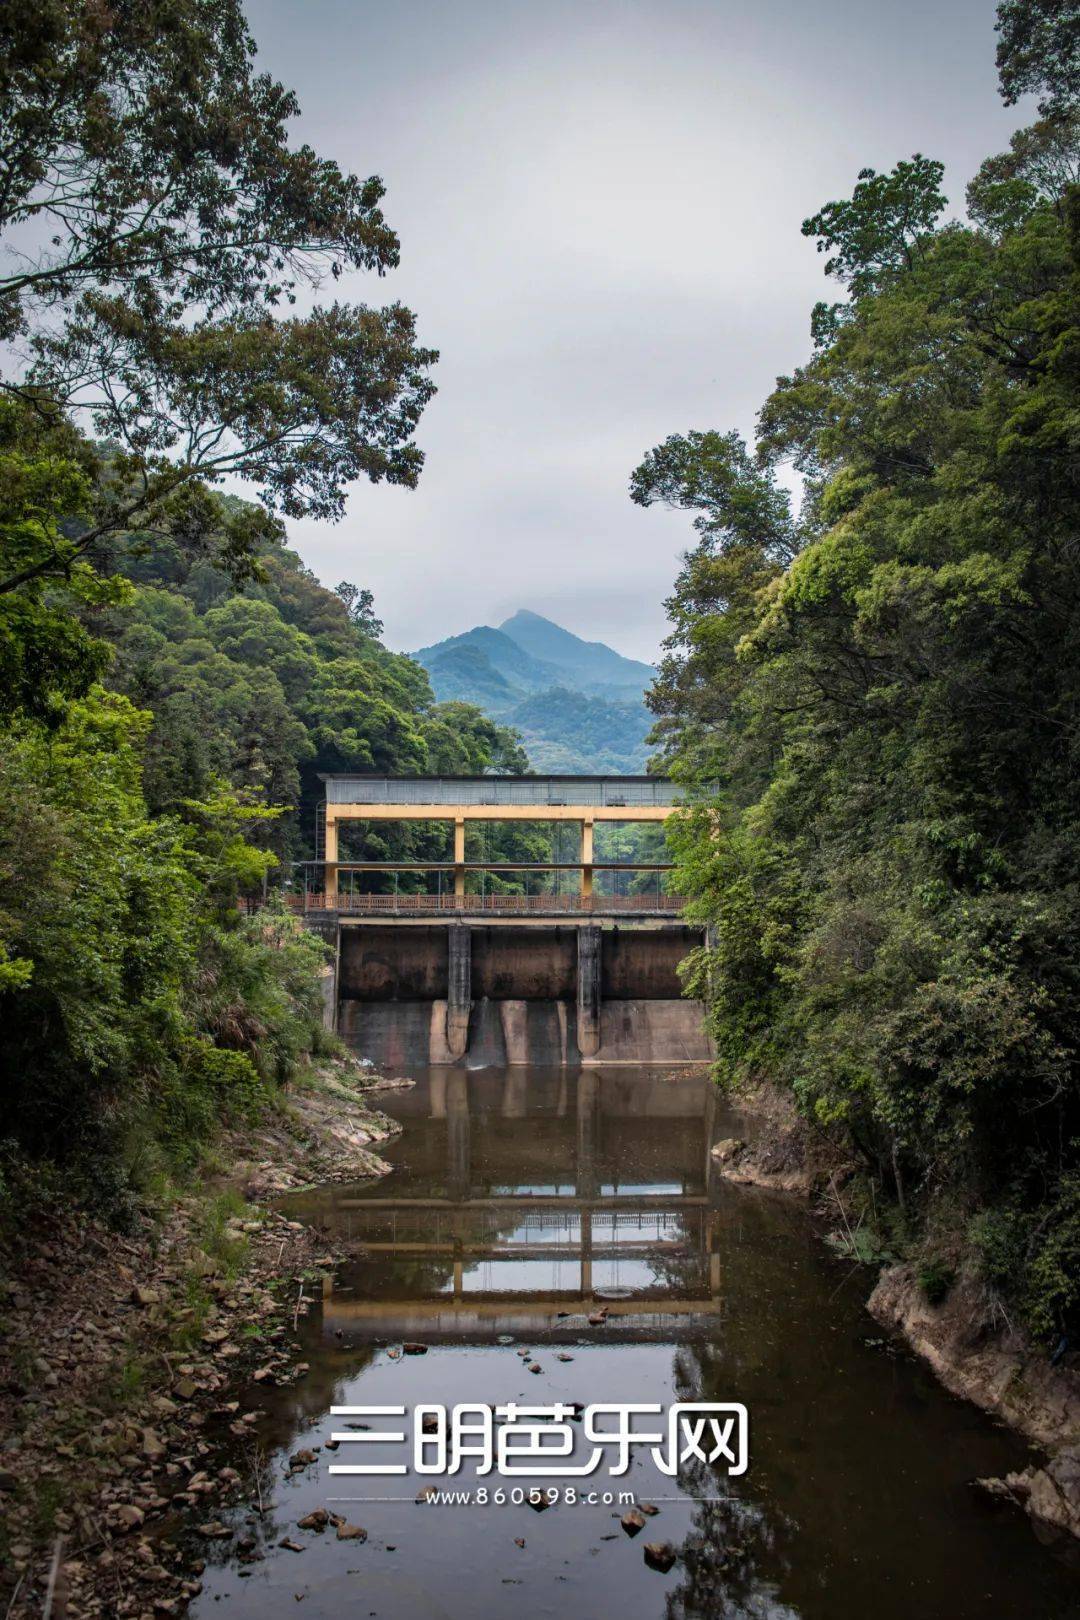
(973,1352)
(998,1368)
(782,1151)
(127,1357)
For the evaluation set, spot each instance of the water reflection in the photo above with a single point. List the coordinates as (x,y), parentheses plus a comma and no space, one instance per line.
(580,1216)
(529,1237)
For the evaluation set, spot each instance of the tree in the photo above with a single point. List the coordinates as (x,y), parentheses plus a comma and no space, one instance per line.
(159,218)
(711,474)
(879,720)
(746,535)
(883,227)
(46,654)
(1039,49)
(360,606)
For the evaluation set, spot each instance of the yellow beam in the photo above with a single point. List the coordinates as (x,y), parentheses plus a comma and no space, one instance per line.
(496,812)
(459,856)
(586,856)
(331,855)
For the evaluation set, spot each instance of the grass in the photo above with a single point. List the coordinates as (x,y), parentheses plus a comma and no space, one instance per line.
(129,1380)
(227,1250)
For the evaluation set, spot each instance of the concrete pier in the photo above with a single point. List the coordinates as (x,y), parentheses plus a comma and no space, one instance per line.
(458,989)
(588,991)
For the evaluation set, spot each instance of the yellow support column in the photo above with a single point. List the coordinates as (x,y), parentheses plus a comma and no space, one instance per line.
(459,857)
(586,858)
(330,856)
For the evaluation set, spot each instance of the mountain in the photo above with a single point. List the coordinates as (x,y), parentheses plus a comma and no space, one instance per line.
(578,704)
(504,655)
(465,674)
(565,732)
(589,665)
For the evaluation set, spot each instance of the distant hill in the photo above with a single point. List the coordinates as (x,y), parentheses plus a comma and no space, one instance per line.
(593,666)
(500,652)
(566,731)
(578,704)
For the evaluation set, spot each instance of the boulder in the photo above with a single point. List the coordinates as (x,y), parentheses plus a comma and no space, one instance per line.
(727,1149)
(659,1555)
(351,1532)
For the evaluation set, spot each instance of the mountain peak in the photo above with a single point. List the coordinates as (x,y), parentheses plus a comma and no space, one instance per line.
(578,704)
(527,616)
(588,664)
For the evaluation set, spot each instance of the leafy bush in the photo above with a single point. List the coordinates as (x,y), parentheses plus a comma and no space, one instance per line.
(230,1079)
(935,1277)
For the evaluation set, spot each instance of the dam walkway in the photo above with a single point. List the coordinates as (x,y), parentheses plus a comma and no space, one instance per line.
(404,904)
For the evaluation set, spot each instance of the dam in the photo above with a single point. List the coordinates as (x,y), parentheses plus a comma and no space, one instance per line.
(568,959)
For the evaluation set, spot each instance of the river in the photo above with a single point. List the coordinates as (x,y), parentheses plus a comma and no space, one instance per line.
(524,1200)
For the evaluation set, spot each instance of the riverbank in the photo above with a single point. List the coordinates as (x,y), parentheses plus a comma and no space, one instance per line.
(974,1352)
(126,1357)
(782,1151)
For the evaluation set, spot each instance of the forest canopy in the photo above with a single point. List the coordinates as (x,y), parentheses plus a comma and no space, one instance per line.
(876,698)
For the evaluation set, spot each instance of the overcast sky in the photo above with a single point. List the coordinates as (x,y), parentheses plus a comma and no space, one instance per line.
(599,205)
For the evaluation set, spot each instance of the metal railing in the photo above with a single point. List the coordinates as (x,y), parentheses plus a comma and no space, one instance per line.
(564,904)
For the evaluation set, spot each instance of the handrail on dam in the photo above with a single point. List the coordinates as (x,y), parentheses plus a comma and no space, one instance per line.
(403,905)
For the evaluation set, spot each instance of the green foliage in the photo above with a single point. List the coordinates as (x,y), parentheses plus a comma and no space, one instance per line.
(877,703)
(885,225)
(267,685)
(46,654)
(936,1277)
(173,679)
(1031,1254)
(232,1080)
(567,731)
(156,219)
(140,1008)
(1039,49)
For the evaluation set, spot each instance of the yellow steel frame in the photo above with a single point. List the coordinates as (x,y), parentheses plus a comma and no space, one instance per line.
(585,815)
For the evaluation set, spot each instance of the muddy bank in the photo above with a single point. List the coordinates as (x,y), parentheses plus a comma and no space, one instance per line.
(970,1351)
(126,1359)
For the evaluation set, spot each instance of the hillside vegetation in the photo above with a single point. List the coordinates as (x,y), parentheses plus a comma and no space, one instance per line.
(886,687)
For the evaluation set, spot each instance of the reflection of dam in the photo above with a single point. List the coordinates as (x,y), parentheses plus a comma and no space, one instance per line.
(510,1218)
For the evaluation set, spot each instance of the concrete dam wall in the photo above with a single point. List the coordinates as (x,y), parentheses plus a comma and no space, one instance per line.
(515,993)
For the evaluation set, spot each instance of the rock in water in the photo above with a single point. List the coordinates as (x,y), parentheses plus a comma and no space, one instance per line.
(351,1532)
(1051,1494)
(659,1555)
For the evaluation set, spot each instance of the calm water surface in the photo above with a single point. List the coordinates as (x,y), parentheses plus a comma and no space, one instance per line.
(520,1200)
